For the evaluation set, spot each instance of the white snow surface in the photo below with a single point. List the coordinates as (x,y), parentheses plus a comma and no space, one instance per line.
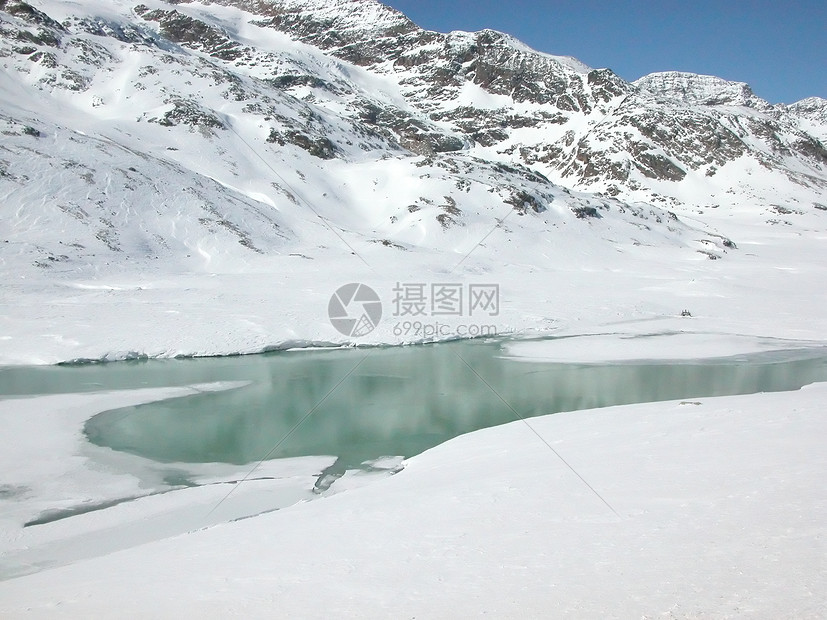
(614,347)
(713,507)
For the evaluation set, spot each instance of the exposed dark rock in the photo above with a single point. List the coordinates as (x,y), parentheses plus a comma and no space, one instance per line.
(659,167)
(445,220)
(320,147)
(29,14)
(185,112)
(47,59)
(812,148)
(390,244)
(414,135)
(291,81)
(185,30)
(522,201)
(585,212)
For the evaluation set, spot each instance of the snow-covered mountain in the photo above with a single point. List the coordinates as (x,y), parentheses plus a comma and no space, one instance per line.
(247,136)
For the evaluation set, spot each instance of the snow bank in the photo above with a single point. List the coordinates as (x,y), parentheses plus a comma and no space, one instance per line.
(624,347)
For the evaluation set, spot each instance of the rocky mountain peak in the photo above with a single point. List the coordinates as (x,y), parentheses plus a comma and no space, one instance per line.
(364,32)
(696,89)
(813,108)
(369,34)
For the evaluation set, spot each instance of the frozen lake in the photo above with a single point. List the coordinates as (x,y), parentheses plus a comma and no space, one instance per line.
(104,457)
(358,405)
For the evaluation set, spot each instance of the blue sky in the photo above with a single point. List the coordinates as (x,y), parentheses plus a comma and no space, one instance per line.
(780,49)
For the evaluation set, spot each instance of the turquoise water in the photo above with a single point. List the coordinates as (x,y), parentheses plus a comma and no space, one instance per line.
(361,404)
